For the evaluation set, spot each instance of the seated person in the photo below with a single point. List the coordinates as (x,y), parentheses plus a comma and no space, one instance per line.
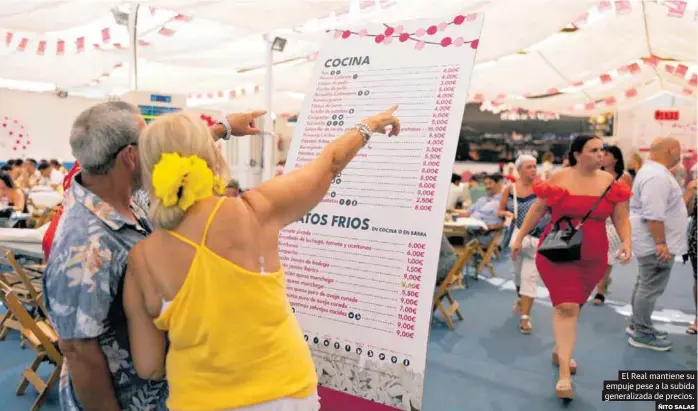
(485,210)
(447,258)
(12,198)
(45,177)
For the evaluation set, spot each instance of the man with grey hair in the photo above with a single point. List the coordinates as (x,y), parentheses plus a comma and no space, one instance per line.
(84,275)
(658,218)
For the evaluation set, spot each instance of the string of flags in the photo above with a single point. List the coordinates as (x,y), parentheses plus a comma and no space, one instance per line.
(114,37)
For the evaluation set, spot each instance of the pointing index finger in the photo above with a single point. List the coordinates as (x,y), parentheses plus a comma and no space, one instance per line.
(392,109)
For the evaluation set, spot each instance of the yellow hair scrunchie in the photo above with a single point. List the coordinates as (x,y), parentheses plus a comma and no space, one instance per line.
(182,181)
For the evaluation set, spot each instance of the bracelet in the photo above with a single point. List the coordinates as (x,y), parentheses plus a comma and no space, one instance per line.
(365,132)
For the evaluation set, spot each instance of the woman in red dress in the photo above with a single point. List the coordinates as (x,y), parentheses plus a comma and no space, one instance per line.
(571,192)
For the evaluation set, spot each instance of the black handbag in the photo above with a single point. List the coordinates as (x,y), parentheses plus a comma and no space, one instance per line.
(564,245)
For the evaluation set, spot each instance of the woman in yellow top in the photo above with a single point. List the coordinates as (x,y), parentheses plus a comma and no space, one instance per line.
(210,275)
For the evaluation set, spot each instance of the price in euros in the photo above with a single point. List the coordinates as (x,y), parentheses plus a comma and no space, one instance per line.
(406,317)
(408,301)
(410,293)
(406,309)
(405,326)
(405,334)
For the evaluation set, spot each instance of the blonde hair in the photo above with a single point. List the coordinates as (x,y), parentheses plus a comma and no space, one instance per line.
(185,135)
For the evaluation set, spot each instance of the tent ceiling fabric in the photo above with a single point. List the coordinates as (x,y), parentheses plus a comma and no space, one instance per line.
(522,50)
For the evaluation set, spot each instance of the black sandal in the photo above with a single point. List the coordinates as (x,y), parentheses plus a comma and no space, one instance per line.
(599,299)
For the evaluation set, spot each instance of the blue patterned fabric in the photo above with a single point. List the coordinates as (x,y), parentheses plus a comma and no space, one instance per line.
(524,204)
(83,292)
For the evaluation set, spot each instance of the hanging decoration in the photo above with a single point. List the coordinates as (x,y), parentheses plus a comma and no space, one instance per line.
(105,39)
(14,138)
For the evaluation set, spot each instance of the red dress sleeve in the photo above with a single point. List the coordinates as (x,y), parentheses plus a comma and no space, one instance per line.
(619,192)
(552,194)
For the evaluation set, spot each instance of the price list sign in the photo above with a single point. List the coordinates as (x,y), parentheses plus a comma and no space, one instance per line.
(361,267)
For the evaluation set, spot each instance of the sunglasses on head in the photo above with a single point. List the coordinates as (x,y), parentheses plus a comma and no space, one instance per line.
(122,148)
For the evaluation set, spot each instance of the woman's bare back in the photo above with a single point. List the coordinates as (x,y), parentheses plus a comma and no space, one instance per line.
(234,235)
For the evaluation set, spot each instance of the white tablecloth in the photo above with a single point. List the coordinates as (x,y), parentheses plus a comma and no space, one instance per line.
(23,241)
(466,222)
(45,198)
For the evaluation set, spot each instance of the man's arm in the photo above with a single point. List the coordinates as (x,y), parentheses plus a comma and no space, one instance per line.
(241,124)
(80,287)
(90,374)
(653,197)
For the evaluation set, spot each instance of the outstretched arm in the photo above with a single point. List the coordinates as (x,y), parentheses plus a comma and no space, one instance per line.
(286,198)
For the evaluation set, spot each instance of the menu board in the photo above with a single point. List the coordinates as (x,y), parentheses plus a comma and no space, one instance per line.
(361,266)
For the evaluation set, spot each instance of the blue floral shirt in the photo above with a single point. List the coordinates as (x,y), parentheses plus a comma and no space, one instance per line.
(83,293)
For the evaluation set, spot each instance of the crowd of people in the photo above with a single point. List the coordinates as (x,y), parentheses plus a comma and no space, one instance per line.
(641,211)
(145,236)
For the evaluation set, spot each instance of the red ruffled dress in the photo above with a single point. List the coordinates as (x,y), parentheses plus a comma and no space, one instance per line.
(574,282)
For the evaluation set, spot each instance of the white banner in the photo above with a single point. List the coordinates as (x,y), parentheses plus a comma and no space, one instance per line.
(361,267)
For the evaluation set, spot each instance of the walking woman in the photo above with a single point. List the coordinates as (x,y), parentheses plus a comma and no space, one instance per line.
(612,163)
(572,192)
(517,199)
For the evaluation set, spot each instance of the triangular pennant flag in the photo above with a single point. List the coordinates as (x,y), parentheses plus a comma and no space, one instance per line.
(106,35)
(623,7)
(631,93)
(41,49)
(8,38)
(60,47)
(677,8)
(80,43)
(23,44)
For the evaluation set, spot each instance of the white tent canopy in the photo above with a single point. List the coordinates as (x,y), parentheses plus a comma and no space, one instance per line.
(573,56)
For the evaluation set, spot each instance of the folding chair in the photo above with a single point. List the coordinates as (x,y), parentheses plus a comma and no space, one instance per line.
(42,338)
(27,288)
(454,276)
(486,253)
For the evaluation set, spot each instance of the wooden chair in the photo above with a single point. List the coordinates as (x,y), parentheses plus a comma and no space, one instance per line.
(27,288)
(42,338)
(28,285)
(455,275)
(486,254)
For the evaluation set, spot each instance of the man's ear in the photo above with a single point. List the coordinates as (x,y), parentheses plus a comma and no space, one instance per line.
(133,157)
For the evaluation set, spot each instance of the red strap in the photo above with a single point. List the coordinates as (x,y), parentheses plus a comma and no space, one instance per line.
(47,241)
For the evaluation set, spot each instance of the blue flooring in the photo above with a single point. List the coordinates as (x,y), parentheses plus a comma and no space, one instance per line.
(486,364)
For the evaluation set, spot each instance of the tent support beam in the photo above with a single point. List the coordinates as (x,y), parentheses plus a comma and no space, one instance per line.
(649,43)
(133,39)
(268,136)
(560,74)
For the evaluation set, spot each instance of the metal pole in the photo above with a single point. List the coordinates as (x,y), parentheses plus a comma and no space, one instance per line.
(133,38)
(268,137)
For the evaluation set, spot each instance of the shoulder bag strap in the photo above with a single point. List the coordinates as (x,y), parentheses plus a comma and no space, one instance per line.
(581,222)
(516,203)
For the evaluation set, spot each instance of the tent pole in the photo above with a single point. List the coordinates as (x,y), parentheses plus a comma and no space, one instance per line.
(133,39)
(268,137)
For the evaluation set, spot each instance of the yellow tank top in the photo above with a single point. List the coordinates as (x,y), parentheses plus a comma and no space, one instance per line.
(234,340)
